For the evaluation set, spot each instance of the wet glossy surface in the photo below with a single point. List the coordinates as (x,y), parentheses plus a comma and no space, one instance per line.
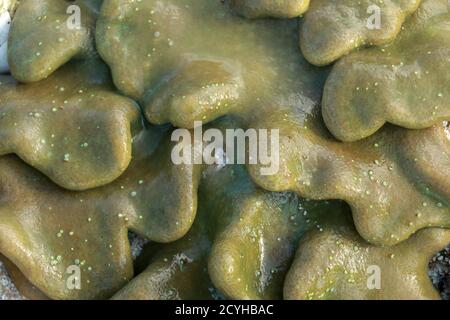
(184,61)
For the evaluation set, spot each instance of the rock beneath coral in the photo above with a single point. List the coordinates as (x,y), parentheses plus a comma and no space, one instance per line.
(137,244)
(5,24)
(439,272)
(8,290)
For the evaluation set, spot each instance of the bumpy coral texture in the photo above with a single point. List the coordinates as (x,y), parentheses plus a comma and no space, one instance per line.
(56,228)
(72,126)
(331,29)
(406,83)
(364,174)
(81,165)
(341,261)
(403,80)
(42,39)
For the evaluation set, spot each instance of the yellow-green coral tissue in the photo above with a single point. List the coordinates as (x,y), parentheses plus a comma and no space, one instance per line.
(224,149)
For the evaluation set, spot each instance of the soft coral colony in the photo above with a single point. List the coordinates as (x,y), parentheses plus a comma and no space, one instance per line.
(86,116)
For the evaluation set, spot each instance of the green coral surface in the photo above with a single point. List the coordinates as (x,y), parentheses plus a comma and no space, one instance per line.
(88,117)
